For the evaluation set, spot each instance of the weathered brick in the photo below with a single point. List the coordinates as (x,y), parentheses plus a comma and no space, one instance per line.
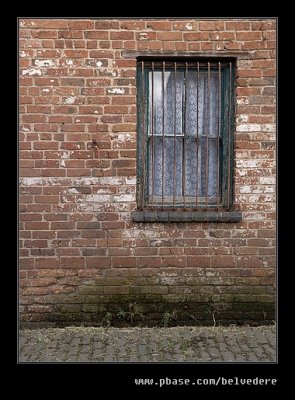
(81,25)
(79,225)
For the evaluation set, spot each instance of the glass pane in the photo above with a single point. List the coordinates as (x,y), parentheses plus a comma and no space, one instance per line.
(201,121)
(172,182)
(171,92)
(198,101)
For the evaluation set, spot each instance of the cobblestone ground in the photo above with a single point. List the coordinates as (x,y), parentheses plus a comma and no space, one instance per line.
(177,344)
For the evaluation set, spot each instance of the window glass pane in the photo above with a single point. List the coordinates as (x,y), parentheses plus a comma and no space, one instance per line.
(193,106)
(197,102)
(196,99)
(169,102)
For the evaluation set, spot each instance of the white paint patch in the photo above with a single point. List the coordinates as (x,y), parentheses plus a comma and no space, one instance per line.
(267,180)
(114,73)
(73,191)
(245,189)
(98,198)
(189,26)
(25,129)
(243,100)
(98,64)
(249,216)
(45,90)
(24,54)
(124,198)
(156,243)
(87,181)
(33,181)
(44,63)
(116,91)
(268,128)
(77,120)
(62,163)
(69,62)
(130,181)
(70,100)
(269,190)
(32,72)
(65,155)
(104,191)
(216,37)
(242,118)
(122,137)
(110,180)
(53,181)
(143,36)
(51,80)
(254,198)
(247,163)
(248,128)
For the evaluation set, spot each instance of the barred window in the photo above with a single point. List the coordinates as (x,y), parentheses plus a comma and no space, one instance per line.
(185,135)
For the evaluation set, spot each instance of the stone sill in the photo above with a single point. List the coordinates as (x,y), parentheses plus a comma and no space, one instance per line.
(186,216)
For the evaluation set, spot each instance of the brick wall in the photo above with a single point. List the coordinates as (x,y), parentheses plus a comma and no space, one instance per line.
(82,259)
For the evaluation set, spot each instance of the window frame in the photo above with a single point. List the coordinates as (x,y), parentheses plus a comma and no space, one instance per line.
(227,118)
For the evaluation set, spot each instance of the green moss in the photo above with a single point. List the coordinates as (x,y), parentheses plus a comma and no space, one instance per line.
(89,306)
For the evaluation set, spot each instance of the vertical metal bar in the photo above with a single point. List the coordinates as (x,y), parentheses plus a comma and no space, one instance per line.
(218,131)
(207,135)
(144,135)
(184,108)
(174,165)
(152,127)
(163,133)
(197,142)
(229,141)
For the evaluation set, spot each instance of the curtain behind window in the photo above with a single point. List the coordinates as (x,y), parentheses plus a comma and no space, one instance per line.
(196,116)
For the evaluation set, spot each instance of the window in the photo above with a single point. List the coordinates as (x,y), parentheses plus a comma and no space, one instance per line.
(185,135)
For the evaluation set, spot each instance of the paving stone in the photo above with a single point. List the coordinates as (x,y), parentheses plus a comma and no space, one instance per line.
(178,344)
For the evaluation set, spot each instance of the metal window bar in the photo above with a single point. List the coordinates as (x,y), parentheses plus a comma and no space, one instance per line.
(163,134)
(184,108)
(174,142)
(229,141)
(197,142)
(152,127)
(143,129)
(219,135)
(201,200)
(207,134)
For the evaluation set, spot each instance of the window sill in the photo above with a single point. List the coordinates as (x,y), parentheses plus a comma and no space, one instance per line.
(186,216)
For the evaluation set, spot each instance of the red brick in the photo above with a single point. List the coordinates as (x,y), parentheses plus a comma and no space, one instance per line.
(223,262)
(44,23)
(159,25)
(124,262)
(171,36)
(98,262)
(72,262)
(81,25)
(249,35)
(47,262)
(51,34)
(238,26)
(211,25)
(199,262)
(96,34)
(103,24)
